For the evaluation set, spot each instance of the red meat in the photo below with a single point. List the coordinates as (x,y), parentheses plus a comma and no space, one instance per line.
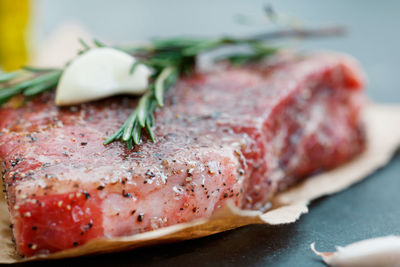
(235,133)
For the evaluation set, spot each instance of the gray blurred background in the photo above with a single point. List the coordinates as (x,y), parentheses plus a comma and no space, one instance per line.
(373,26)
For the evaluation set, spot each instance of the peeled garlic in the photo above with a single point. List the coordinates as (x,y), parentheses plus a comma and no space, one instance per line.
(382,251)
(100,73)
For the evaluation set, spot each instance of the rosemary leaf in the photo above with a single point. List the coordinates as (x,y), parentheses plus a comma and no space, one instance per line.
(136,134)
(84,44)
(133,67)
(151,119)
(160,84)
(8,76)
(152,107)
(117,135)
(130,123)
(203,46)
(40,79)
(98,43)
(175,43)
(149,130)
(41,87)
(129,144)
(39,70)
(142,109)
(7,93)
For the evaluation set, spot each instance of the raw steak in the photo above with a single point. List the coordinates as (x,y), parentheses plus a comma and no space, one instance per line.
(236,133)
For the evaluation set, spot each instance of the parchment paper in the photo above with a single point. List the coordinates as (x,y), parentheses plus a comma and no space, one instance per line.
(383,130)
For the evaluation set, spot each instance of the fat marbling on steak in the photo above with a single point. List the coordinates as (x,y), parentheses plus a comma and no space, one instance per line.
(236,133)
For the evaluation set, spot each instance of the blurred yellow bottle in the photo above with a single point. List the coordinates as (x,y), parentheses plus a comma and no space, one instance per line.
(14,19)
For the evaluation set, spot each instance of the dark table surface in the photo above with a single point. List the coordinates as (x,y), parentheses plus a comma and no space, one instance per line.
(368,209)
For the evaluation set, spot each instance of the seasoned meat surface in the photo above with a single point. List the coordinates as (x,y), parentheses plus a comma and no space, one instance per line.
(234,133)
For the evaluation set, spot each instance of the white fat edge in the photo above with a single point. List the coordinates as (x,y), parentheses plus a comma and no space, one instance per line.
(100,73)
(381,251)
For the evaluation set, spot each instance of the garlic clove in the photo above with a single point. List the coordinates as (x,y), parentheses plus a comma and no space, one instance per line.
(100,73)
(382,251)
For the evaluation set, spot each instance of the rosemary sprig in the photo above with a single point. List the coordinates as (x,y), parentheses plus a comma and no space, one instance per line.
(31,83)
(169,59)
(142,116)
